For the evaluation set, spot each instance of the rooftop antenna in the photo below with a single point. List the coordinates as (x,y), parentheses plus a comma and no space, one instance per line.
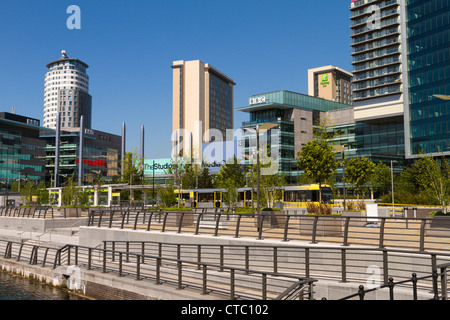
(13,110)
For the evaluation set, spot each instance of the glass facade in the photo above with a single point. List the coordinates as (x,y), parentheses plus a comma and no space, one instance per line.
(381,139)
(295,115)
(101,155)
(220,104)
(428,28)
(22,153)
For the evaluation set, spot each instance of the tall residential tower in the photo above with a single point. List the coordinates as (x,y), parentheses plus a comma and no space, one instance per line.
(67,92)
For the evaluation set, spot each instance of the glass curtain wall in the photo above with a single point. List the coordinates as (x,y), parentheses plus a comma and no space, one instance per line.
(428,27)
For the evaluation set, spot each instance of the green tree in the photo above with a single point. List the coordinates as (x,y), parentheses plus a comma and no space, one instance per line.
(358,171)
(433,179)
(230,177)
(381,178)
(317,161)
(43,196)
(167,195)
(70,192)
(27,191)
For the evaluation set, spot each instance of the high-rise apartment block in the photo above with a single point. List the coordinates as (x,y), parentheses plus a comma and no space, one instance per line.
(330,83)
(401,61)
(201,94)
(378,47)
(67,92)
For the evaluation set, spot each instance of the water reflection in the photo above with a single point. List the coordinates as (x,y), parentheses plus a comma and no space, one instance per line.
(13,287)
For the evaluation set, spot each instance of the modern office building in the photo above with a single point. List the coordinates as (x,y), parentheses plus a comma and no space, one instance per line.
(295,115)
(427,117)
(101,154)
(401,62)
(22,153)
(67,92)
(201,95)
(331,83)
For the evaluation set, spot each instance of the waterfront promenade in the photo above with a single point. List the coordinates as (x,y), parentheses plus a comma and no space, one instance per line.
(334,264)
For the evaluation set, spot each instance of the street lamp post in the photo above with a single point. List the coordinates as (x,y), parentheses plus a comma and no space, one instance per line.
(392,185)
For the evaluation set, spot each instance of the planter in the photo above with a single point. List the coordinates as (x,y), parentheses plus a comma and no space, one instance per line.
(326,225)
(272,219)
(175,218)
(438,226)
(357,218)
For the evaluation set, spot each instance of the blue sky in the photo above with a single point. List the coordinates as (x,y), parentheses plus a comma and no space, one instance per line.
(263,45)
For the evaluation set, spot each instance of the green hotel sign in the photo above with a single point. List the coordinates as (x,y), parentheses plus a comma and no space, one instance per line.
(325,82)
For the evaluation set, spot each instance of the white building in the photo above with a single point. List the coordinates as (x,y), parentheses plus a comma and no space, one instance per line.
(67,92)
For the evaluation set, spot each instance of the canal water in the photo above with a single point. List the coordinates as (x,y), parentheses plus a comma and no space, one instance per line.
(14,287)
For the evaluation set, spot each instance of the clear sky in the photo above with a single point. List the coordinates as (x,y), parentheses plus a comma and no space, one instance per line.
(263,45)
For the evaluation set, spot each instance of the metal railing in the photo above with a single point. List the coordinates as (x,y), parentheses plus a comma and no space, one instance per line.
(343,264)
(398,232)
(27,212)
(242,272)
(208,278)
(438,294)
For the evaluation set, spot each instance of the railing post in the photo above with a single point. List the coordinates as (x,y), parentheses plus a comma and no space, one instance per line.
(414,283)
(104,261)
(264,286)
(314,231)
(150,220)
(385,266)
(89,258)
(216,231)
(123,219)
(135,220)
(111,215)
(180,275)
(422,234)
(391,285)
(286,228)
(100,219)
(120,264)
(199,217)
(343,265)
(382,228)
(346,227)
(221,258)
(181,222)
(138,267)
(247,259)
(158,271)
(361,292)
(275,259)
(164,222)
(307,266)
(435,285)
(444,283)
(238,224)
(232,284)
(205,283)
(199,255)
(260,223)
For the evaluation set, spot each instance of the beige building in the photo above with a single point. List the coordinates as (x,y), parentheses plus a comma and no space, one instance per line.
(202,100)
(330,83)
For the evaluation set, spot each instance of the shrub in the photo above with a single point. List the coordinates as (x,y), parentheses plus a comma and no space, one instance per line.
(322,209)
(439,213)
